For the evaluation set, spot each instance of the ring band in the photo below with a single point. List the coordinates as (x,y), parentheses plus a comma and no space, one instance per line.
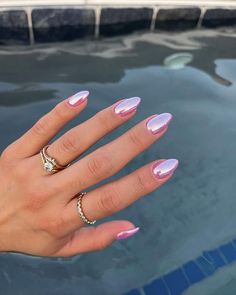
(80,210)
(50,164)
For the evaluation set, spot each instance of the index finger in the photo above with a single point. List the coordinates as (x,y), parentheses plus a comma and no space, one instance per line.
(49,125)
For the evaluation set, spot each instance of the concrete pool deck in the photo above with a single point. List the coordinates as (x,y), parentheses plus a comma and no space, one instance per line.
(205,3)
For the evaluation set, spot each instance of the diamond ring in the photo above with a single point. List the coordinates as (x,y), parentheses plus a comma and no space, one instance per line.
(50,164)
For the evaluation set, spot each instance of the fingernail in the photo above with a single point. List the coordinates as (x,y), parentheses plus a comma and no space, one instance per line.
(78,98)
(159,122)
(127,233)
(127,106)
(165,168)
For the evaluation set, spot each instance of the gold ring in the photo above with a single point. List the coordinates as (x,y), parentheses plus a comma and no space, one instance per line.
(80,210)
(50,164)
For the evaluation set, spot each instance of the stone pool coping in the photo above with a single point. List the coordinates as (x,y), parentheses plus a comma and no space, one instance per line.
(214,3)
(27,22)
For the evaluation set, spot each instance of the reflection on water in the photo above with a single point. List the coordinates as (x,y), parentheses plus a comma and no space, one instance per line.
(194,212)
(178,61)
(105,61)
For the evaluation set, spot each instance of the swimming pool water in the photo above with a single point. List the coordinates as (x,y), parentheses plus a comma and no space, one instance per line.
(186,244)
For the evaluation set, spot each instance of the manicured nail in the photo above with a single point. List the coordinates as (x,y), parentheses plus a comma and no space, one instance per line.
(78,98)
(165,168)
(127,233)
(159,122)
(127,106)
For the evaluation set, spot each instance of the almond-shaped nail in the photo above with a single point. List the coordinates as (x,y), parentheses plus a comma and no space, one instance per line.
(159,122)
(127,106)
(165,168)
(127,233)
(78,98)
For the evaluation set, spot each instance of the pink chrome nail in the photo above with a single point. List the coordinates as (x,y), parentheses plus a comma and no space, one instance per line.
(127,106)
(127,233)
(159,122)
(78,98)
(165,168)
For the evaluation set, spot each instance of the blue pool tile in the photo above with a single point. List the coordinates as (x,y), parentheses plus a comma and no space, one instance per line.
(133,292)
(206,266)
(234,243)
(215,258)
(228,252)
(156,287)
(193,272)
(176,282)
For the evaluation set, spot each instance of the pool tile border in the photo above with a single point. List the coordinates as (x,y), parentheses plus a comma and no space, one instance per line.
(14,27)
(177,281)
(55,24)
(116,21)
(176,19)
(219,17)
(28,25)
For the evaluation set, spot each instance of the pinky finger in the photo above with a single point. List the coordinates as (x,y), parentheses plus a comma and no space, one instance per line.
(97,238)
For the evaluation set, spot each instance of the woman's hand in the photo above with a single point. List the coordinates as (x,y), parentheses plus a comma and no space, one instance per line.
(38,210)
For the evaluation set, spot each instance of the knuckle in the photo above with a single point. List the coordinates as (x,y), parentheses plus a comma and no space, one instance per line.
(100,165)
(21,175)
(16,172)
(110,200)
(6,154)
(33,203)
(10,152)
(136,139)
(52,225)
(98,244)
(144,184)
(101,245)
(40,128)
(103,121)
(35,198)
(69,143)
(59,112)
